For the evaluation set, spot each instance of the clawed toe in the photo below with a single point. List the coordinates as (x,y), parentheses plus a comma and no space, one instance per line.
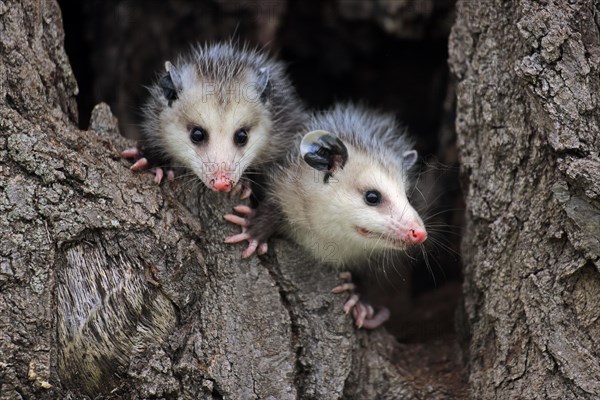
(252,246)
(344,287)
(263,248)
(378,319)
(351,302)
(243,209)
(240,237)
(235,219)
(132,152)
(246,193)
(158,175)
(140,164)
(363,313)
(170,175)
(359,312)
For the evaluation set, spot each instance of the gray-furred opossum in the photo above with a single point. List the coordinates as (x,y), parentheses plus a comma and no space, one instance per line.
(220,111)
(341,194)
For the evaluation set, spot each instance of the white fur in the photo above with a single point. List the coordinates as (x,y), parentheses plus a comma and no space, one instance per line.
(222,87)
(323,217)
(333,220)
(199,105)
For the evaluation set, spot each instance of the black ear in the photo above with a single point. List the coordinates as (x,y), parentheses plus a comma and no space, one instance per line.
(171,83)
(409,158)
(324,151)
(263,83)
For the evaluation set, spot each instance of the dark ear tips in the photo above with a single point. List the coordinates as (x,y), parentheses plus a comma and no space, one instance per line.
(324,151)
(170,83)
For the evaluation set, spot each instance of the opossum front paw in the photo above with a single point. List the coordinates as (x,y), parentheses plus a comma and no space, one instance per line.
(363,313)
(141,163)
(241,189)
(254,244)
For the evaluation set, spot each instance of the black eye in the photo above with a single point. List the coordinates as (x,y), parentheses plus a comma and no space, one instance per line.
(372,197)
(198,135)
(241,137)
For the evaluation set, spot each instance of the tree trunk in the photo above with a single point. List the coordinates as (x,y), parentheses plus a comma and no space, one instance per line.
(112,287)
(528,121)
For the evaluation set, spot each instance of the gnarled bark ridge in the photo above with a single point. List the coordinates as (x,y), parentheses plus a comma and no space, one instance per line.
(528,122)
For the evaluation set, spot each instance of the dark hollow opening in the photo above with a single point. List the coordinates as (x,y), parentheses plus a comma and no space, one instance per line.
(335,52)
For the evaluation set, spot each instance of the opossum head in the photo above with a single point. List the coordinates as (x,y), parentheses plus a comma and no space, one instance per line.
(216,120)
(362,200)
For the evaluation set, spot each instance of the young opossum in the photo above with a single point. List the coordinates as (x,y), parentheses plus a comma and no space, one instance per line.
(342,195)
(218,111)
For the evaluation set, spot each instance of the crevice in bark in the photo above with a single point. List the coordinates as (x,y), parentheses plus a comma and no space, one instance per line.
(399,67)
(295,343)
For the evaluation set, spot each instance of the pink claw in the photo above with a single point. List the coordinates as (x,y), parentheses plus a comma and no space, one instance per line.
(139,164)
(240,237)
(345,276)
(252,246)
(362,313)
(159,175)
(359,313)
(246,193)
(242,209)
(132,152)
(170,175)
(378,319)
(263,248)
(234,219)
(344,287)
(351,302)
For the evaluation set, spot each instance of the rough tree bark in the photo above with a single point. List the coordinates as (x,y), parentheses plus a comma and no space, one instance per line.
(528,121)
(111,287)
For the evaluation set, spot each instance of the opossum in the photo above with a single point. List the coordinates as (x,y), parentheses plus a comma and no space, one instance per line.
(219,111)
(342,194)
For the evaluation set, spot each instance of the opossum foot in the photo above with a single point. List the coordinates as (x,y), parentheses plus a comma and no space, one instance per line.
(363,313)
(159,174)
(254,245)
(241,189)
(141,164)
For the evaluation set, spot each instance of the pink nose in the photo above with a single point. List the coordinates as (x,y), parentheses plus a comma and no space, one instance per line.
(221,184)
(417,236)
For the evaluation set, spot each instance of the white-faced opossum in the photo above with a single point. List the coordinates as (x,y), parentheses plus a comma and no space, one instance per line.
(342,194)
(219,111)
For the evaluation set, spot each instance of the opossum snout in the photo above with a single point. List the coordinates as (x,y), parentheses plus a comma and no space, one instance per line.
(221,184)
(417,235)
(409,230)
